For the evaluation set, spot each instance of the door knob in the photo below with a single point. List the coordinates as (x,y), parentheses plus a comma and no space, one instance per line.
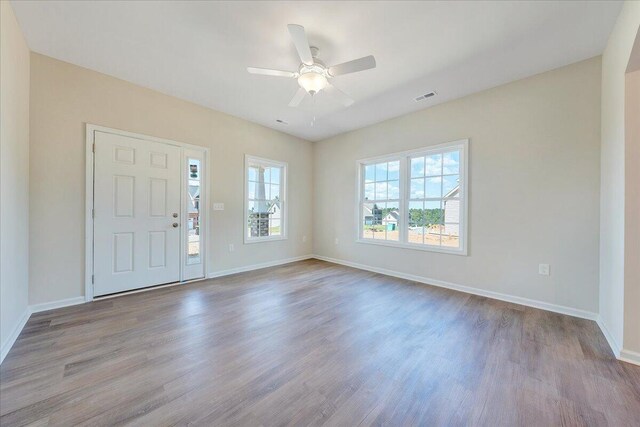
(175,215)
(174,225)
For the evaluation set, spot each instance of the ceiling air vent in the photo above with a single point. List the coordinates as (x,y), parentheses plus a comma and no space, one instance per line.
(425,96)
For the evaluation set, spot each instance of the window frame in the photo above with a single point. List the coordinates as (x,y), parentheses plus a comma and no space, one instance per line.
(405,179)
(248,160)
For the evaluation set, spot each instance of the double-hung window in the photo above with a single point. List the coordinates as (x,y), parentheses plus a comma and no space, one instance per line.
(265,201)
(416,199)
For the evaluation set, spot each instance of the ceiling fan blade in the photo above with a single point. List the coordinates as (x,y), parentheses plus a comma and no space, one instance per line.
(301,43)
(268,72)
(297,98)
(344,99)
(361,64)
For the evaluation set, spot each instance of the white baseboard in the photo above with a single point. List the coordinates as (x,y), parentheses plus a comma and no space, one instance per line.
(570,311)
(252,267)
(615,347)
(36,308)
(630,356)
(6,346)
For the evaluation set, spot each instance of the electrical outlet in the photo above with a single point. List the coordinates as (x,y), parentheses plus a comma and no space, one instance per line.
(337,241)
(543,269)
(304,239)
(231,247)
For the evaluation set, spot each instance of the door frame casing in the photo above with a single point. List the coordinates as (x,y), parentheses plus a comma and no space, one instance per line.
(89,199)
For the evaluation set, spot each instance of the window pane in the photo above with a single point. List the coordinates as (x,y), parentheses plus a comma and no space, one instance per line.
(267,175)
(417,188)
(381,172)
(417,167)
(433,213)
(451,209)
(433,165)
(258,219)
(391,220)
(381,190)
(378,229)
(257,190)
(253,174)
(433,187)
(275,192)
(394,170)
(274,227)
(432,236)
(251,190)
(368,220)
(451,162)
(369,173)
(275,175)
(451,236)
(275,210)
(416,214)
(450,186)
(193,213)
(394,189)
(369,191)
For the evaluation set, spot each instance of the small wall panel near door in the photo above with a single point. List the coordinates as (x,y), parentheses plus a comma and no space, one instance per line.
(137,213)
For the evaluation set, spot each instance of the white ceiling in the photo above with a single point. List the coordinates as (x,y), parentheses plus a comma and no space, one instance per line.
(199,51)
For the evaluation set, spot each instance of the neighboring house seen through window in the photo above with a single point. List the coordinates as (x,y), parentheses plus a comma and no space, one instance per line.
(265,183)
(416,199)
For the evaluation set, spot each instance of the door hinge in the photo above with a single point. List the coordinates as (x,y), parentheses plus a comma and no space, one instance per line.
(93,213)
(93,147)
(93,279)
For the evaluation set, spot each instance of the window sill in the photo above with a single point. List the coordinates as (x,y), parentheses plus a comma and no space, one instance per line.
(264,239)
(461,251)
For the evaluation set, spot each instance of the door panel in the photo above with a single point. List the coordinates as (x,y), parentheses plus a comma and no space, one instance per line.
(136,194)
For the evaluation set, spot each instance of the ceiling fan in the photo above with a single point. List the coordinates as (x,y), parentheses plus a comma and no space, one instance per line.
(313,75)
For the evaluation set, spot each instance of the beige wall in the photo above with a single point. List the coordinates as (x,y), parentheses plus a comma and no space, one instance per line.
(534,187)
(612,179)
(64,97)
(631,341)
(14,175)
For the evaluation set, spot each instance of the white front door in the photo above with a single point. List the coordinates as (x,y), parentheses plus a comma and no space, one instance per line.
(137,213)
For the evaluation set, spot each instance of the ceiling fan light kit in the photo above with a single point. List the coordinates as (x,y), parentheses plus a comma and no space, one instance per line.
(313,76)
(312,79)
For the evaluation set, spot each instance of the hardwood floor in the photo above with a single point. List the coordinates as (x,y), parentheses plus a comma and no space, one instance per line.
(313,343)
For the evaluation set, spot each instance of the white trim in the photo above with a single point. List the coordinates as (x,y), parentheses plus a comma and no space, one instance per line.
(37,308)
(570,311)
(88,215)
(284,219)
(89,194)
(258,266)
(630,357)
(615,347)
(6,346)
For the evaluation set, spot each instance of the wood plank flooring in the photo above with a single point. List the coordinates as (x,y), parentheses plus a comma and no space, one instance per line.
(313,343)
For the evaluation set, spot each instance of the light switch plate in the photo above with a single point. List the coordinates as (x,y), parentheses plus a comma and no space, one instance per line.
(218,206)
(543,269)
